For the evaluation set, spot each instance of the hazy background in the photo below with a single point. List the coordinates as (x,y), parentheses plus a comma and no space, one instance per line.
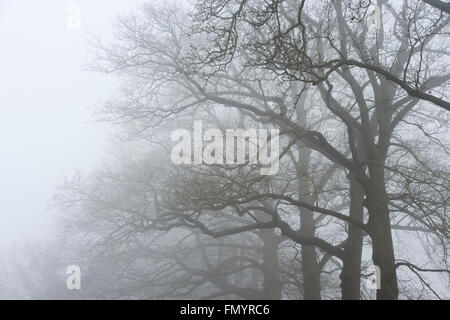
(46,125)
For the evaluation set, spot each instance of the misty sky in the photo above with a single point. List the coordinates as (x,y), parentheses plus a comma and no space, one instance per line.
(46,125)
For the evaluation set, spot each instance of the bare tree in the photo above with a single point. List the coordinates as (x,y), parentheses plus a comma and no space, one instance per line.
(352,105)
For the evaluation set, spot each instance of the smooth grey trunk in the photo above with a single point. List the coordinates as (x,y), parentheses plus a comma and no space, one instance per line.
(271,265)
(351,270)
(310,267)
(380,232)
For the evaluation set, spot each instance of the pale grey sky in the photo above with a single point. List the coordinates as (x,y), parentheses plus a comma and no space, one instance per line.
(46,128)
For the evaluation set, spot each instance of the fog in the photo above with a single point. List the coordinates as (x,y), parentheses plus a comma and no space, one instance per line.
(46,126)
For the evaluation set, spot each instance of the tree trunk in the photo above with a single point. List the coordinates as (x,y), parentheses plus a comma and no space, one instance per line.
(310,267)
(380,232)
(351,271)
(271,266)
(311,273)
